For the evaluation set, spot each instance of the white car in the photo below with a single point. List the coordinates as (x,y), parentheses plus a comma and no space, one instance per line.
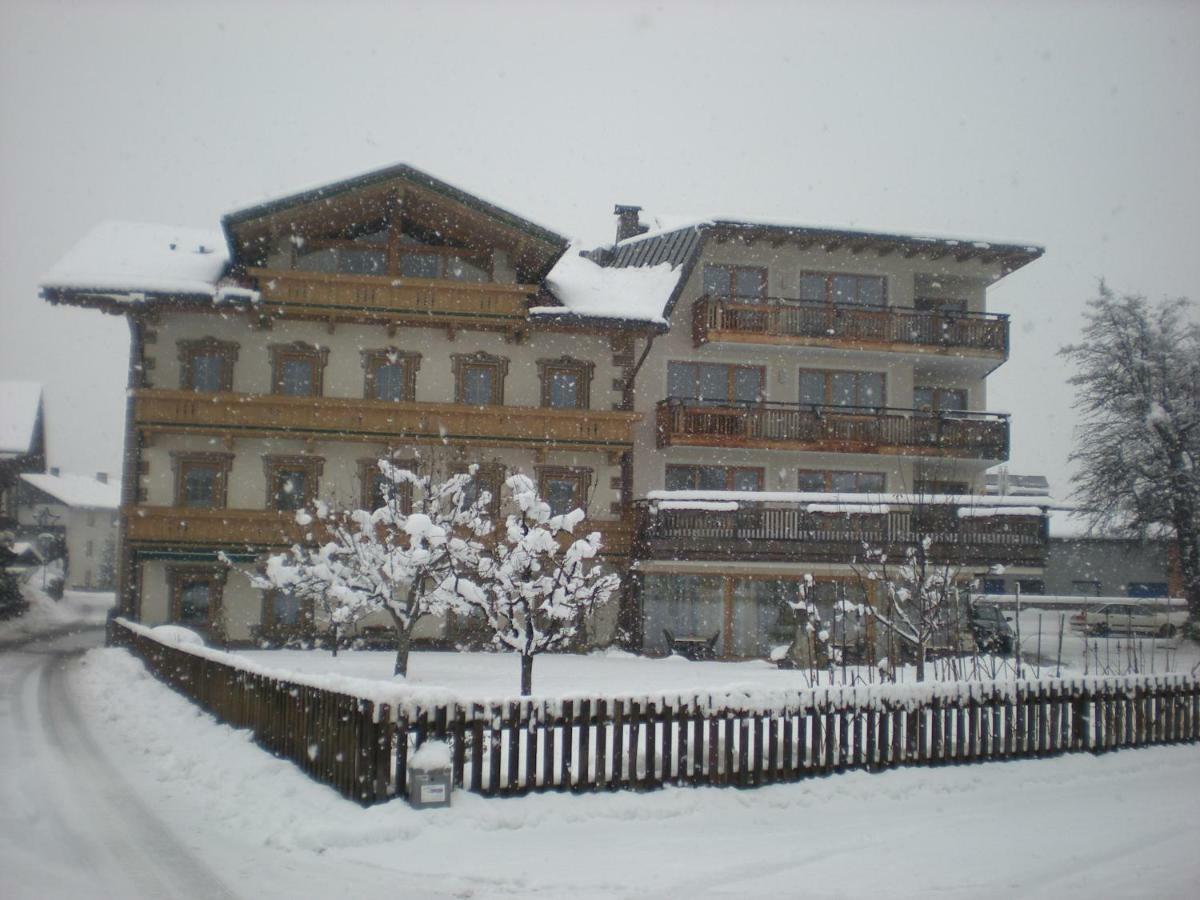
(1130,618)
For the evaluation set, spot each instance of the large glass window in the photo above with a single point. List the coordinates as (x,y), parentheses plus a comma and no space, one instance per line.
(713,478)
(847,290)
(684,605)
(362,262)
(861,389)
(762,618)
(738,282)
(841,482)
(715,383)
(421,265)
(929,399)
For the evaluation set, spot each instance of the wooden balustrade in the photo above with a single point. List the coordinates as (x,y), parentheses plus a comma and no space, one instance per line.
(779,321)
(832,428)
(412,301)
(376,421)
(255,530)
(761,532)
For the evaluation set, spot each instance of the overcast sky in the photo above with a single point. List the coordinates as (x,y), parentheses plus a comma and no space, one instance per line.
(1072,125)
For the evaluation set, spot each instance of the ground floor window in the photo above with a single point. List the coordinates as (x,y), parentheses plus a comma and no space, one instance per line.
(684,605)
(195,595)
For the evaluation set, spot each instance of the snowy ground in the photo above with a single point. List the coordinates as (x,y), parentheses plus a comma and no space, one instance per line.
(232,821)
(46,614)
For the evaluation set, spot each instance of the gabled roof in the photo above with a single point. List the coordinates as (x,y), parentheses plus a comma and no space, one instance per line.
(243,227)
(681,243)
(20,411)
(77,491)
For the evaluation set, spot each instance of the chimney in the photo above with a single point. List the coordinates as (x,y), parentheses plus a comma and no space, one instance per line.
(54,471)
(102,477)
(627,222)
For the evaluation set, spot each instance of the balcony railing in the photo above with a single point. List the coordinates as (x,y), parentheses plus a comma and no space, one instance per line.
(844,429)
(421,301)
(781,321)
(783,531)
(348,418)
(258,530)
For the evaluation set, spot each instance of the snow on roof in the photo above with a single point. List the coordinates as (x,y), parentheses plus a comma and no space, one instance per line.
(19,404)
(78,491)
(592,291)
(665,223)
(141,257)
(850,500)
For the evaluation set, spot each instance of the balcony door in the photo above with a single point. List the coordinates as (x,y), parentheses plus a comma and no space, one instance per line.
(715,384)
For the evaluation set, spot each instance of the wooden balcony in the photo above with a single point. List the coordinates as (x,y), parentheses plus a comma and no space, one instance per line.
(381,421)
(787,532)
(839,429)
(391,300)
(260,530)
(892,328)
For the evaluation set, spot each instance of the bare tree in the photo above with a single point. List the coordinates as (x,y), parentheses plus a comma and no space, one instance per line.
(536,591)
(411,557)
(1138,447)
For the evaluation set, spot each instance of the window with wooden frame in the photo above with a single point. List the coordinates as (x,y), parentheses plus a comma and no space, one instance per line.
(196,595)
(564,488)
(452,263)
(842,289)
(931,399)
(201,479)
(713,478)
(841,482)
(935,486)
(479,378)
(390,374)
(298,369)
(286,611)
(735,282)
(374,485)
(206,365)
(819,387)
(292,480)
(716,383)
(488,477)
(566,382)
(945,306)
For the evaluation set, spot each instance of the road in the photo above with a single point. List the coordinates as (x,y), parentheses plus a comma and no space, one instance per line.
(70,824)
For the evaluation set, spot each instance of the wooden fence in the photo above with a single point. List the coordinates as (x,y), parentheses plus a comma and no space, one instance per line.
(361,747)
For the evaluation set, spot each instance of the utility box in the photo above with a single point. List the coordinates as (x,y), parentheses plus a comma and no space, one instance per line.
(429,781)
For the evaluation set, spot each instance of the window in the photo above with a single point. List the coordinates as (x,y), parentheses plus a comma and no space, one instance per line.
(1086,588)
(1146,589)
(715,383)
(993,586)
(421,265)
(565,489)
(847,290)
(195,595)
(862,389)
(928,399)
(1031,585)
(933,486)
(291,480)
(566,383)
(736,282)
(488,477)
(297,369)
(436,263)
(842,482)
(375,485)
(286,611)
(391,374)
(941,305)
(201,479)
(713,478)
(362,262)
(479,378)
(206,365)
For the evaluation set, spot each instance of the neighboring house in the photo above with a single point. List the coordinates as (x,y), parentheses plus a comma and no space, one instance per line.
(839,376)
(84,511)
(22,442)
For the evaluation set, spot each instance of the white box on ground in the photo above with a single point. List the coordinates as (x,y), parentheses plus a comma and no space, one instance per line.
(429,781)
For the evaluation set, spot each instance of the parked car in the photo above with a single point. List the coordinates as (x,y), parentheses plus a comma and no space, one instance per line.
(1130,618)
(991,629)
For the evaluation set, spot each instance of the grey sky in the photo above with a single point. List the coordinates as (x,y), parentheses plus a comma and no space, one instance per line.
(1076,126)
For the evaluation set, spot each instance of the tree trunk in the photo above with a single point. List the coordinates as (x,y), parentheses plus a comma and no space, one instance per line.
(526,676)
(403,645)
(335,638)
(921,661)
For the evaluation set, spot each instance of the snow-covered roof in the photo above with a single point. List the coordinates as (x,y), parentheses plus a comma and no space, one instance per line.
(854,501)
(591,291)
(138,258)
(19,405)
(77,491)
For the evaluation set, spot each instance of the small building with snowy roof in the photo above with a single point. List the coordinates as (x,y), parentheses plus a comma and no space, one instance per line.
(81,512)
(22,442)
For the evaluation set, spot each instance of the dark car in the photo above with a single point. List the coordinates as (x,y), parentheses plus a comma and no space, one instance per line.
(991,629)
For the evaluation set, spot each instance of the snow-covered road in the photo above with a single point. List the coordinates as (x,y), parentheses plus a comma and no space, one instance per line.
(62,796)
(115,787)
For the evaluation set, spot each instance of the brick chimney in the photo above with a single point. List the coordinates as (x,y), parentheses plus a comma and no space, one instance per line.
(627,222)
(102,477)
